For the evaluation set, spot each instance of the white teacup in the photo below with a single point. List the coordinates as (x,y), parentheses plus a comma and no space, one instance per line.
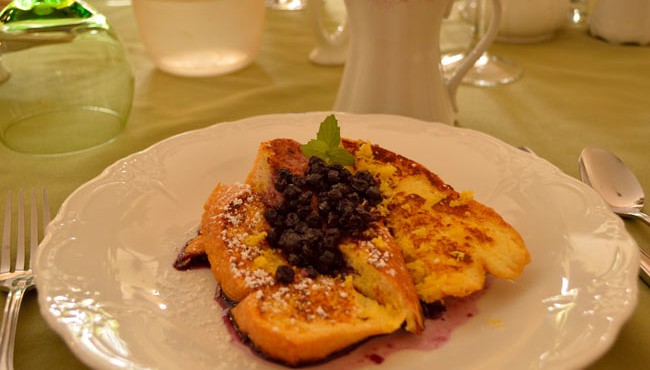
(528,21)
(621,21)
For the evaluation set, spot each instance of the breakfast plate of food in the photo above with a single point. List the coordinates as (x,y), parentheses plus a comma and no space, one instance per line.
(322,240)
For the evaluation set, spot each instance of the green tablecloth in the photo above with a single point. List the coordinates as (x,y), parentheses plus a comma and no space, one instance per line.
(576,91)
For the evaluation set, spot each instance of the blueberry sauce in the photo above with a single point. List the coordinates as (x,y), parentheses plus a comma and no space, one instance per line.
(437,332)
(377,350)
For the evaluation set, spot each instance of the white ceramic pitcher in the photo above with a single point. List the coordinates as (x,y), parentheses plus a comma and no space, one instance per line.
(393,62)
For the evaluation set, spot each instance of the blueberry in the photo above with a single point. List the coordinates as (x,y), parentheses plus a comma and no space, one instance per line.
(305,198)
(301,227)
(345,189)
(327,258)
(311,271)
(323,207)
(271,215)
(299,181)
(312,236)
(289,240)
(294,259)
(291,192)
(344,206)
(283,179)
(334,195)
(355,222)
(292,220)
(272,236)
(354,198)
(330,242)
(333,232)
(316,164)
(303,211)
(315,180)
(333,176)
(332,219)
(373,195)
(284,274)
(313,220)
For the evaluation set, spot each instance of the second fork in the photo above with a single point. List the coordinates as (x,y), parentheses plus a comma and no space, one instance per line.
(18,280)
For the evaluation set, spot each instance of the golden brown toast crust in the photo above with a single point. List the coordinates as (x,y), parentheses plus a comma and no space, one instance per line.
(192,255)
(233,232)
(310,319)
(382,276)
(448,240)
(272,156)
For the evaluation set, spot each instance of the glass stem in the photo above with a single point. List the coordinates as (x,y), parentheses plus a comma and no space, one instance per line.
(479,21)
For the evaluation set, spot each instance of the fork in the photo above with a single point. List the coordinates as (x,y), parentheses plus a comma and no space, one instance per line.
(17,281)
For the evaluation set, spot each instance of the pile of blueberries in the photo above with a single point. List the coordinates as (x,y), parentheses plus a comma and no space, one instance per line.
(319,208)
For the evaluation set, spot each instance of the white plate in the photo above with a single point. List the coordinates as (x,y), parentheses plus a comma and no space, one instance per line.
(107,286)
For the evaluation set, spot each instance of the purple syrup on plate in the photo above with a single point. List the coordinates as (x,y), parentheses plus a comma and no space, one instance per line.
(436,333)
(375,358)
(441,323)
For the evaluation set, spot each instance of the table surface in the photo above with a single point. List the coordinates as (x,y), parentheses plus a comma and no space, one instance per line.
(576,91)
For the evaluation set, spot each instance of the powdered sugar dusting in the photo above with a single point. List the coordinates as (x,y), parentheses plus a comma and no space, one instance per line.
(235,221)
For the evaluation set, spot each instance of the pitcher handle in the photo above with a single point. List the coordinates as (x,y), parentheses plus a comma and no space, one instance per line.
(471,57)
(331,48)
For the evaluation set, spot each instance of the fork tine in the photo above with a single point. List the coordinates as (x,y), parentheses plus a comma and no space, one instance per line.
(46,210)
(20,237)
(45,216)
(33,228)
(5,258)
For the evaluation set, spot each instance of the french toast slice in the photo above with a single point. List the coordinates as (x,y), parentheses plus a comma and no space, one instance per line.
(449,241)
(272,156)
(192,255)
(379,265)
(380,273)
(311,318)
(233,232)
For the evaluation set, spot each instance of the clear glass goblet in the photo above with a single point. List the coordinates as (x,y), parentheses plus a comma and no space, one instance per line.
(490,69)
(578,12)
(67,83)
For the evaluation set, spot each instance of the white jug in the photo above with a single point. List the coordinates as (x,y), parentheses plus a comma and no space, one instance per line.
(393,62)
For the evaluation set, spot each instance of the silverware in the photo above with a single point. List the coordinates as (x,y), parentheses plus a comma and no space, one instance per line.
(526,149)
(17,281)
(618,186)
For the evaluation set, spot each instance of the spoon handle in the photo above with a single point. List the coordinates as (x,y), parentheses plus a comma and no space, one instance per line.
(645,257)
(645,218)
(645,266)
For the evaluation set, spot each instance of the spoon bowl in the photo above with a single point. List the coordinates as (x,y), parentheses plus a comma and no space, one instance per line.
(618,186)
(614,181)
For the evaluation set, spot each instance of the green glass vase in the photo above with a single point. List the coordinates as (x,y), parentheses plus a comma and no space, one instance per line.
(65,81)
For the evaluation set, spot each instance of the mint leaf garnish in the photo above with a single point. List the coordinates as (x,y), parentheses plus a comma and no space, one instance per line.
(315,148)
(329,131)
(327,144)
(341,156)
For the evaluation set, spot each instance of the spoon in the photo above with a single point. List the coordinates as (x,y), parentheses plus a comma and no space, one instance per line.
(617,185)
